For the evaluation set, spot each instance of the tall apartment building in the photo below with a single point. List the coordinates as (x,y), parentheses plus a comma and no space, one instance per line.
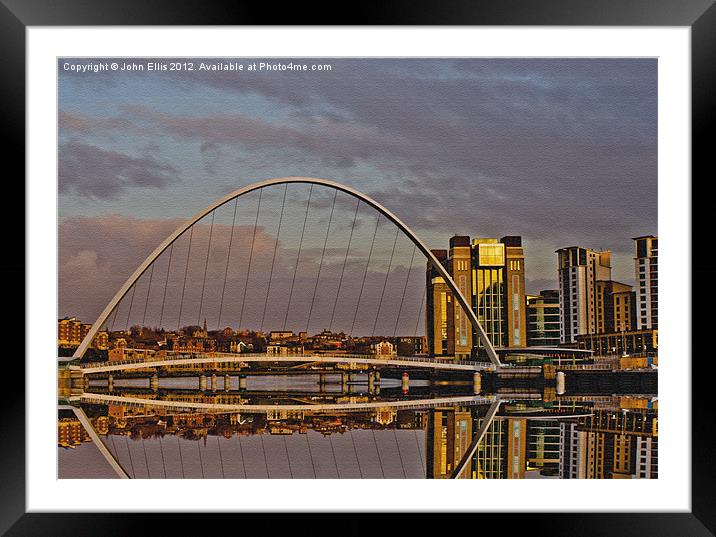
(436,309)
(579,270)
(616,307)
(459,266)
(610,446)
(491,275)
(543,319)
(646,269)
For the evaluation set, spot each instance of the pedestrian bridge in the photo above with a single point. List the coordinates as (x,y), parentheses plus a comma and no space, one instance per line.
(415,404)
(242,360)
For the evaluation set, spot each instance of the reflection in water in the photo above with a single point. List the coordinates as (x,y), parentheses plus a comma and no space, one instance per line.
(275,428)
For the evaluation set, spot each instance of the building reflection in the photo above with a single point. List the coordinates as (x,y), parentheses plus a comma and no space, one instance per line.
(589,440)
(580,437)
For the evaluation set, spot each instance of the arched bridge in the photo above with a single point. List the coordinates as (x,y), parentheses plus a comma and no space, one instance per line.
(347,268)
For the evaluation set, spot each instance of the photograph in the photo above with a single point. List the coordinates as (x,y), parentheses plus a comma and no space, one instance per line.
(357,268)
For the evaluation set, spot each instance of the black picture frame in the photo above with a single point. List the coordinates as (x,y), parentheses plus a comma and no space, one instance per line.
(699,15)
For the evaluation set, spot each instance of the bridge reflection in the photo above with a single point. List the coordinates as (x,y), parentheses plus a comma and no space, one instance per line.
(423,434)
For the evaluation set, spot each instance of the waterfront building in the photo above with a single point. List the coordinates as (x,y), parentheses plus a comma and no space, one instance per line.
(543,319)
(71,332)
(646,272)
(631,342)
(277,335)
(490,274)
(383,348)
(579,270)
(459,266)
(610,445)
(616,307)
(543,442)
(438,295)
(449,433)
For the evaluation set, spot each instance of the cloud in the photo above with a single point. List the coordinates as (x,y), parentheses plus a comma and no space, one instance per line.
(90,171)
(202,281)
(560,151)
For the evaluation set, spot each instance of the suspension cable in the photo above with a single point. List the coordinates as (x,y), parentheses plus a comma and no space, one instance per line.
(161,449)
(146,461)
(131,301)
(131,462)
(320,265)
(310,455)
(353,440)
(400,455)
(146,302)
(420,310)
(201,460)
(365,274)
(226,270)
(263,448)
(241,452)
(420,450)
(186,269)
(181,458)
(116,311)
(385,282)
(298,258)
(380,459)
(288,458)
(345,259)
(221,457)
(166,284)
(273,260)
(405,287)
(206,266)
(333,451)
(251,256)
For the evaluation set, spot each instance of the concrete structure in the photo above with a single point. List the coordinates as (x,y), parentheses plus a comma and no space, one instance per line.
(646,275)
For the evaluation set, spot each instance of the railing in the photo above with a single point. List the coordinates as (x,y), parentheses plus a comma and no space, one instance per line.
(244,357)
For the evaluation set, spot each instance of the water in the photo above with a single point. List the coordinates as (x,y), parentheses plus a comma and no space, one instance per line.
(296,427)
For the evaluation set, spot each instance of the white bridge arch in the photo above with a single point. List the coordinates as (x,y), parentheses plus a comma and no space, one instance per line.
(491,353)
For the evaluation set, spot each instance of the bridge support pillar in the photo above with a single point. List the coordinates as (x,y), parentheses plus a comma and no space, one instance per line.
(227,382)
(242,382)
(154,382)
(344,381)
(405,382)
(476,383)
(371,381)
(202,382)
(85,382)
(110,383)
(377,376)
(213,382)
(560,382)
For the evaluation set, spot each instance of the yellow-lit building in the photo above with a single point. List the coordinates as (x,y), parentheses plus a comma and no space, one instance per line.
(449,433)
(490,274)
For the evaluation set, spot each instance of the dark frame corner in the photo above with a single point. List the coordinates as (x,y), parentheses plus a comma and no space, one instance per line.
(700,15)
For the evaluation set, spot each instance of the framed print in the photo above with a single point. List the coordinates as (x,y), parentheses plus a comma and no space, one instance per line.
(291,260)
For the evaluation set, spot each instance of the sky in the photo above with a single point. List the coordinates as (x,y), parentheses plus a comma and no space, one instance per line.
(560,151)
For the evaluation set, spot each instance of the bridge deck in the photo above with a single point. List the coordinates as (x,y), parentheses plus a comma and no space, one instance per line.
(209,358)
(97,398)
